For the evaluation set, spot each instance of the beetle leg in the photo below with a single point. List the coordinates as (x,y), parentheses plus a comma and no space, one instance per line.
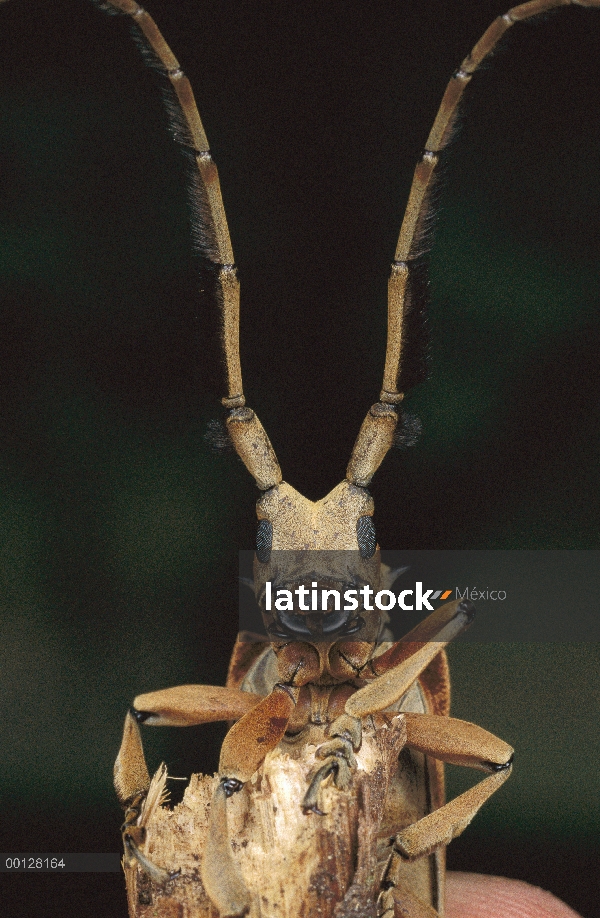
(460,743)
(394,682)
(181,706)
(310,804)
(441,826)
(132,783)
(131,842)
(339,760)
(131,776)
(398,901)
(187,705)
(423,837)
(457,742)
(221,875)
(430,629)
(243,751)
(256,734)
(340,747)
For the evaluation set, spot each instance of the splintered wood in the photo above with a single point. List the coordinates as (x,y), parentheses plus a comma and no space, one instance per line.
(294,865)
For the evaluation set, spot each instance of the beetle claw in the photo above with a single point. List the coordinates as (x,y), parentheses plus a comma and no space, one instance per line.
(313,809)
(311,798)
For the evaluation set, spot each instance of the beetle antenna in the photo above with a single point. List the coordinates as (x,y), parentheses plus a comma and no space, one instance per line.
(210,232)
(376,435)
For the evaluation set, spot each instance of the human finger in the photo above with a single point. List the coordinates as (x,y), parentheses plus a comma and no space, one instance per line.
(474,895)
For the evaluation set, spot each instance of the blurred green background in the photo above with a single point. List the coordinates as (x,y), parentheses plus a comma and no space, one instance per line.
(120,527)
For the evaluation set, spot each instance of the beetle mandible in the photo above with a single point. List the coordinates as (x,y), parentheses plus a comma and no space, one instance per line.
(340,670)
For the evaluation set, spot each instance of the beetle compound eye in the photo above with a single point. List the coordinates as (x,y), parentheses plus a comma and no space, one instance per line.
(264,541)
(367,540)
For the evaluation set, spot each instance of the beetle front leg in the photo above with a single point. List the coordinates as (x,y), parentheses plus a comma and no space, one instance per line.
(181,706)
(339,760)
(392,682)
(243,751)
(132,783)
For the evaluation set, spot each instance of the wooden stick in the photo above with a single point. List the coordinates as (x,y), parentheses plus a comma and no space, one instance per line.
(292,864)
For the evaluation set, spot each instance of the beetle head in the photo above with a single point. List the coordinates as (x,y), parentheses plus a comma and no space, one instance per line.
(341,523)
(324,545)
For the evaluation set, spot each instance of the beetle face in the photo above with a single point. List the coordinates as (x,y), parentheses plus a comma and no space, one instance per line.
(305,547)
(334,523)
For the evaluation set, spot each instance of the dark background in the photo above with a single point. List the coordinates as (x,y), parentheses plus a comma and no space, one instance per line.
(120,527)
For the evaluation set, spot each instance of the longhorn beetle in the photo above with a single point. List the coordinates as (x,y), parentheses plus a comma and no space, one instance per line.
(340,755)
(332,658)
(273,701)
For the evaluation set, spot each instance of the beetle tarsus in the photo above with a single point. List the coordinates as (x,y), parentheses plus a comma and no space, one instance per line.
(157,874)
(313,809)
